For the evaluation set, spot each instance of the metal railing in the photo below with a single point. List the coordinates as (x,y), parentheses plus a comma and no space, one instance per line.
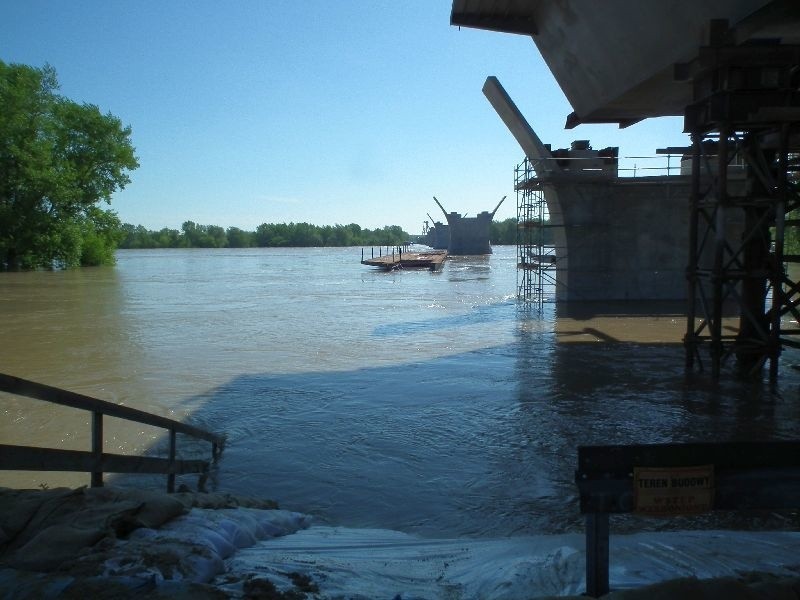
(623,166)
(97,462)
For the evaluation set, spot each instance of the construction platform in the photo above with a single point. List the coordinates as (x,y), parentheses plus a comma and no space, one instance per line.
(432,260)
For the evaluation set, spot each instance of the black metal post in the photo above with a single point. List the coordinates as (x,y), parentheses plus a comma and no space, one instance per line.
(777,268)
(597,554)
(690,341)
(718,274)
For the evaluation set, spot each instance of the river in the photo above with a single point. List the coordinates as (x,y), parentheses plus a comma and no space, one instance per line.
(425,402)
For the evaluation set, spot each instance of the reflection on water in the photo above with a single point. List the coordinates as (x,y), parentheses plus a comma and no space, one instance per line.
(420,401)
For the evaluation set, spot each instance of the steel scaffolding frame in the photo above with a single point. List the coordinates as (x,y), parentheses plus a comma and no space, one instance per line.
(536,262)
(748,111)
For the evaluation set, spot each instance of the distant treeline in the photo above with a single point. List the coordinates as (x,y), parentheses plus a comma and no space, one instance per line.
(505,233)
(272,235)
(269,235)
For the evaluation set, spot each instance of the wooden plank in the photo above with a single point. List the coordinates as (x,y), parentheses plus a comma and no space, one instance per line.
(772,489)
(739,455)
(39,391)
(764,475)
(746,476)
(26,458)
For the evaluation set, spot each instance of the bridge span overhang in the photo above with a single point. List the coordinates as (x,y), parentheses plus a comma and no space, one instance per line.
(620,61)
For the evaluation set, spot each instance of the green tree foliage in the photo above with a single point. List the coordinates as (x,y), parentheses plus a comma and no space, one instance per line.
(139,237)
(101,233)
(792,235)
(238,238)
(272,235)
(791,242)
(203,236)
(58,161)
(505,233)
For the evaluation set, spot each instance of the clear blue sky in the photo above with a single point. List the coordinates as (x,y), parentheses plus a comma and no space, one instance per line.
(280,110)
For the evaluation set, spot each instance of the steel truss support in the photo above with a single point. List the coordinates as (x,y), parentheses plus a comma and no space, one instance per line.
(745,132)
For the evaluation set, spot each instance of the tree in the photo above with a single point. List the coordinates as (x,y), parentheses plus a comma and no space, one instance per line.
(217,235)
(58,161)
(270,235)
(238,238)
(101,232)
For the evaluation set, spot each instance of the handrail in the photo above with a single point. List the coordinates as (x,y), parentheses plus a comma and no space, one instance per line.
(40,458)
(664,162)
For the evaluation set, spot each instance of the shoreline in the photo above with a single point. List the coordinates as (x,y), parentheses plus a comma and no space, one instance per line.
(121,542)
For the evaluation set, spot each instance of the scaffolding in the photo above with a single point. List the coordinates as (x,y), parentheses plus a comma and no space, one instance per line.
(536,258)
(748,112)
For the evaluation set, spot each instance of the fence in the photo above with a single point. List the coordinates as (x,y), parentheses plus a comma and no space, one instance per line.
(97,462)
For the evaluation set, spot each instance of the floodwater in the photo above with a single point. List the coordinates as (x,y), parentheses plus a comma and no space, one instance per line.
(425,402)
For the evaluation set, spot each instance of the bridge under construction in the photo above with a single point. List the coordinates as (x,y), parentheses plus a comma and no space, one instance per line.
(731,68)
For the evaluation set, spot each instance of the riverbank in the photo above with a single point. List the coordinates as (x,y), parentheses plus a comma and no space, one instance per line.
(125,543)
(118,542)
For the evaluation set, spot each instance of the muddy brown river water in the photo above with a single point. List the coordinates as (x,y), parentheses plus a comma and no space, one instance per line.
(425,402)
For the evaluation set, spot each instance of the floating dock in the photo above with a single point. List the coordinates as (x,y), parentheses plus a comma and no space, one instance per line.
(432,260)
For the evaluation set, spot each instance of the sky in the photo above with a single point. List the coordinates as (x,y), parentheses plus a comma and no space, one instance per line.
(278,111)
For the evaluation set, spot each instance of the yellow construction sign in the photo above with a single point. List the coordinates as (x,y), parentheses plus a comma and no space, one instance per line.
(673,490)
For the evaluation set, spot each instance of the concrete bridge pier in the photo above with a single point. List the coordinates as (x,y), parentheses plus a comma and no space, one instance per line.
(615,238)
(469,235)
